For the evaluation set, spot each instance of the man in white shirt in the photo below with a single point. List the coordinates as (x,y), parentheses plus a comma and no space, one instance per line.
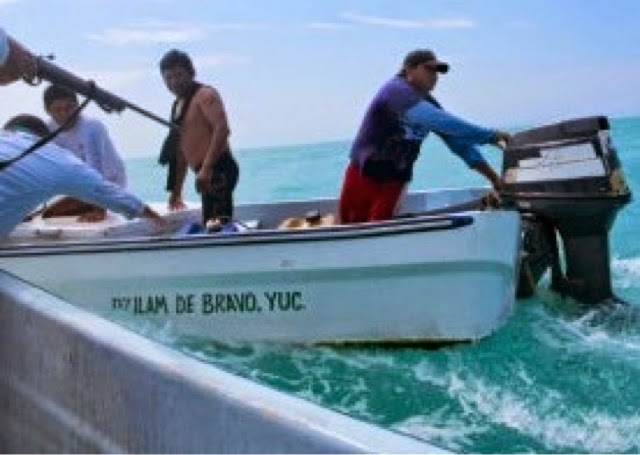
(86,137)
(89,140)
(52,170)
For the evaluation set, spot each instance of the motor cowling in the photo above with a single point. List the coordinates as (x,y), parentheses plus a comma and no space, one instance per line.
(566,178)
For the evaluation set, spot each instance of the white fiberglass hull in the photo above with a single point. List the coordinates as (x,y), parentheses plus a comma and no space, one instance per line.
(424,279)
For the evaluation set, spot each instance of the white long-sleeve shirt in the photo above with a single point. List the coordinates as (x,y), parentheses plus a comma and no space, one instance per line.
(49,171)
(4,47)
(89,140)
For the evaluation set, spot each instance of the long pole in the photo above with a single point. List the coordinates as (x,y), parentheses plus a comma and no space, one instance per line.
(106,100)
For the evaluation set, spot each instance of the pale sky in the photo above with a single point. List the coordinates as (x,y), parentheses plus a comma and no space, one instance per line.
(301,71)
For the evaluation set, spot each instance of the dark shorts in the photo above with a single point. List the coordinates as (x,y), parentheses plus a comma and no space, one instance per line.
(219,201)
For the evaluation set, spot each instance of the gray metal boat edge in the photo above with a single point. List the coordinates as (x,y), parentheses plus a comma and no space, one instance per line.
(71,381)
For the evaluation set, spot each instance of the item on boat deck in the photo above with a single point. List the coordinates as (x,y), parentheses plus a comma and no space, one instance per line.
(190,228)
(223,225)
(216,224)
(311,219)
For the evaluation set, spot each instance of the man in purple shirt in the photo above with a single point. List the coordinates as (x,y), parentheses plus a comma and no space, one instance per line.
(388,143)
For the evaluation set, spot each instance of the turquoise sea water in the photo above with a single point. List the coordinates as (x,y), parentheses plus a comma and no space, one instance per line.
(554,379)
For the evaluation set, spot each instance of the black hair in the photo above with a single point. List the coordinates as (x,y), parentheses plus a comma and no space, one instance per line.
(175,58)
(58,92)
(28,122)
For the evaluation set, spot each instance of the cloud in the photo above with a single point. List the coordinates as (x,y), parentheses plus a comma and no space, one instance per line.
(449,23)
(239,27)
(153,32)
(328,26)
(164,32)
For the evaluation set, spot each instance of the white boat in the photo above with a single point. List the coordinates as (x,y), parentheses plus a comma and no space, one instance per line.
(442,271)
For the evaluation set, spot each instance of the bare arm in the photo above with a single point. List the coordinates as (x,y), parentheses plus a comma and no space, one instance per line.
(154,217)
(213,111)
(175,198)
(500,139)
(487,171)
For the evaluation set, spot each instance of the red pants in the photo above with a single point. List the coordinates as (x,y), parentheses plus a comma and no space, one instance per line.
(363,199)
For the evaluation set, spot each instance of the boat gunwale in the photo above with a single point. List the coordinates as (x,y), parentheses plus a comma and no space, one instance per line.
(562,197)
(416,223)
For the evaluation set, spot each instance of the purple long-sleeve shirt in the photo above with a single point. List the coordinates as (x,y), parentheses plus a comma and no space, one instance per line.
(395,125)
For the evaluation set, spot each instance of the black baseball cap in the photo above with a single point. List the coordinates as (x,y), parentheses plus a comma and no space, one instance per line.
(421,56)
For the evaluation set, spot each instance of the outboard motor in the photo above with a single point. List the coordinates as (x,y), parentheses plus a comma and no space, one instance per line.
(566,178)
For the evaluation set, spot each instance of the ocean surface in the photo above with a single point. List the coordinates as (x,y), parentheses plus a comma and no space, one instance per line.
(554,379)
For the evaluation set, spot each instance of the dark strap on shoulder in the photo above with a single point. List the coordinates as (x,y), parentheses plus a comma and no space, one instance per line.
(46,139)
(169,150)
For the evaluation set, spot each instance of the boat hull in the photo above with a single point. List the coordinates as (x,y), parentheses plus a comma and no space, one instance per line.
(417,280)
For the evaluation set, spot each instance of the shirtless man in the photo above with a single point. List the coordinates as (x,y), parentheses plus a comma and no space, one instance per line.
(203,141)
